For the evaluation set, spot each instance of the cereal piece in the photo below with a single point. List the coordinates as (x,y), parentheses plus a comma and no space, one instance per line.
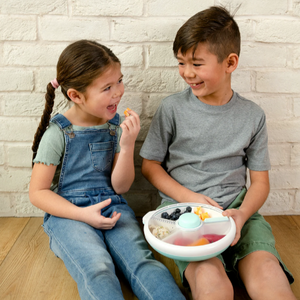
(126,112)
(200,212)
(204,216)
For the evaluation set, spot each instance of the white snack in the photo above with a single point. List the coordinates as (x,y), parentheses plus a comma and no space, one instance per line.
(159,232)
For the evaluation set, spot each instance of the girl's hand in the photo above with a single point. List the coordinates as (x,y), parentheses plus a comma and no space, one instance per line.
(239,219)
(92,216)
(200,198)
(131,128)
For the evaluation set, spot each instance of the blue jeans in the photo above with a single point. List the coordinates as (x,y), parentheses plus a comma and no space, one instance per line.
(90,255)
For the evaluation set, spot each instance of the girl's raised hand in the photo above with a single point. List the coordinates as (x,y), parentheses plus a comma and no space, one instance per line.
(131,128)
(92,216)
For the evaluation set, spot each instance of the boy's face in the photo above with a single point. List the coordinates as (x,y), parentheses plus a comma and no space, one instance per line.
(208,79)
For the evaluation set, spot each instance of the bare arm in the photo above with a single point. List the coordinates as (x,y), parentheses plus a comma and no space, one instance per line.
(155,174)
(253,201)
(42,197)
(123,169)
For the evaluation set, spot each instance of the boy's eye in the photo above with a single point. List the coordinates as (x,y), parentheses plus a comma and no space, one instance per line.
(107,89)
(197,65)
(180,63)
(120,80)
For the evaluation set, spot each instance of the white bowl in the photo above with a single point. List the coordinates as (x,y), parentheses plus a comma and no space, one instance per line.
(219,230)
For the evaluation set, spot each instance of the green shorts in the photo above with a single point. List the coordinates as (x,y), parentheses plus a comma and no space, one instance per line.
(256,235)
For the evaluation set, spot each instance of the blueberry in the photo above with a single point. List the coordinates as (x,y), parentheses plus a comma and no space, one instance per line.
(177,216)
(188,209)
(177,210)
(165,215)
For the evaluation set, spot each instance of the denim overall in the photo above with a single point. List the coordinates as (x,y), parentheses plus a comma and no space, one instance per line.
(89,254)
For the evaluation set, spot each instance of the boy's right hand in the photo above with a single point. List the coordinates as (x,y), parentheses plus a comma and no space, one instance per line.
(92,216)
(200,198)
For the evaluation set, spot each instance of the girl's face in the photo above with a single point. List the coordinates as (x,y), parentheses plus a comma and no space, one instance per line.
(102,97)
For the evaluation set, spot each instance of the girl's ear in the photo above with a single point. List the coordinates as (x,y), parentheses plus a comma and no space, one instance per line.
(232,62)
(75,96)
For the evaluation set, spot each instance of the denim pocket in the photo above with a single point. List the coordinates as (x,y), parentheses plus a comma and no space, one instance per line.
(101,155)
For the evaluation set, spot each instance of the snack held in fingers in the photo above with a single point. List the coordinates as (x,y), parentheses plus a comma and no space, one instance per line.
(126,112)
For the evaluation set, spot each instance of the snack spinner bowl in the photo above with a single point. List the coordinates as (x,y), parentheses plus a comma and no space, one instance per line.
(187,238)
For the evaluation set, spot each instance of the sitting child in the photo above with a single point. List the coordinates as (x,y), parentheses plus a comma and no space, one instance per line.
(84,162)
(200,143)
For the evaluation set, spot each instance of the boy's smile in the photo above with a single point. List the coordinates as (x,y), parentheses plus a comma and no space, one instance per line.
(209,80)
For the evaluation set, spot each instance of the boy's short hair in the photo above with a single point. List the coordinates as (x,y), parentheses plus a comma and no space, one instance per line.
(213,26)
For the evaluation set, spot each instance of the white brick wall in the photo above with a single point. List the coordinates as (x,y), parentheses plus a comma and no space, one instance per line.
(34,32)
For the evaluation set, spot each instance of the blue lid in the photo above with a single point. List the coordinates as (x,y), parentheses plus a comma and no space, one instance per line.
(189,220)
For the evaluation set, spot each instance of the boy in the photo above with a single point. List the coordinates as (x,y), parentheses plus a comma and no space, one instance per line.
(199,146)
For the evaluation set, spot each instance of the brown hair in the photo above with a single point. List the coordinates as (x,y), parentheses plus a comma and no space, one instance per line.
(213,26)
(78,66)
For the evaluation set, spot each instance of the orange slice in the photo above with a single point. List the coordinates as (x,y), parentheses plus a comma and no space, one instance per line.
(202,241)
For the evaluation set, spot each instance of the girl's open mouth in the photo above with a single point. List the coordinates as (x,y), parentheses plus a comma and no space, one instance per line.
(112,108)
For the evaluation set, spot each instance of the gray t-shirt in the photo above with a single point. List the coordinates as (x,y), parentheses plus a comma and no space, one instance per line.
(208,148)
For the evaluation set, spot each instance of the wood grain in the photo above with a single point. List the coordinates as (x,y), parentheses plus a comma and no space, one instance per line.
(286,230)
(10,229)
(30,271)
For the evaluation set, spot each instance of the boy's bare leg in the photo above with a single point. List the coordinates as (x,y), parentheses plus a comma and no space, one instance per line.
(208,280)
(264,278)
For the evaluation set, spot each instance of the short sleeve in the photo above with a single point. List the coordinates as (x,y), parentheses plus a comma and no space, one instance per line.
(51,147)
(257,154)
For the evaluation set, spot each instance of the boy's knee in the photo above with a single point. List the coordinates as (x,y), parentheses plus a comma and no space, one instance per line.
(209,278)
(263,276)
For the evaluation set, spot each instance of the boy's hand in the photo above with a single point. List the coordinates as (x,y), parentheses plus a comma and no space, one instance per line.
(92,216)
(131,128)
(200,198)
(239,219)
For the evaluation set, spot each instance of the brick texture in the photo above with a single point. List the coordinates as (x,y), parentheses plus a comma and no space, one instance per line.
(34,32)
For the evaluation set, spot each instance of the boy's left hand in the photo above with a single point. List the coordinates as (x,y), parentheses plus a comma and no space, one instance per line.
(130,127)
(239,219)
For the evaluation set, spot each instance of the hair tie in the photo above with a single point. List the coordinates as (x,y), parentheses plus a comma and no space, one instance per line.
(54,83)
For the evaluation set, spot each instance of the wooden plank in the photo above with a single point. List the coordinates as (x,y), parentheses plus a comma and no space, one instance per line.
(286,230)
(31,270)
(10,229)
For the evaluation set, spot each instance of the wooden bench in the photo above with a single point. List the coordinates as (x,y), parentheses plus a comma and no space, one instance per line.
(30,271)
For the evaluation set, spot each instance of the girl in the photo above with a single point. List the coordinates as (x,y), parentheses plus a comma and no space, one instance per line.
(82,165)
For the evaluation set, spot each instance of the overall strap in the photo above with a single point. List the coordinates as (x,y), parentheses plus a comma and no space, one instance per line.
(61,121)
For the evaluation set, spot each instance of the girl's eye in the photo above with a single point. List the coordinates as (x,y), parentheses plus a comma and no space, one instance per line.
(180,64)
(197,65)
(120,80)
(107,89)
